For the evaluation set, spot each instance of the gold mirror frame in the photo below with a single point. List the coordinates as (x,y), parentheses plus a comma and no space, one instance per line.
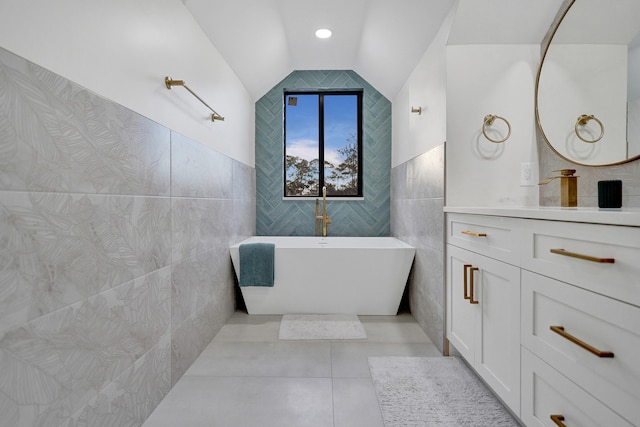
(552,34)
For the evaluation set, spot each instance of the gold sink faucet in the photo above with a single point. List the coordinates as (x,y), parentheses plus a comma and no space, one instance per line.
(322,219)
(568,187)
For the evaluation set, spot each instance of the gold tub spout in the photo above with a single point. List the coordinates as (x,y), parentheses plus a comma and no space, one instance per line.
(323,219)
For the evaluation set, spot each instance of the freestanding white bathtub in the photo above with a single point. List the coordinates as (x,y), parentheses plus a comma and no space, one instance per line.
(331,275)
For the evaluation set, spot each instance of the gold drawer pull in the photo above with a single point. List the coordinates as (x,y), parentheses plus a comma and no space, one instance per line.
(558,419)
(471,300)
(584,257)
(466,290)
(473,233)
(560,331)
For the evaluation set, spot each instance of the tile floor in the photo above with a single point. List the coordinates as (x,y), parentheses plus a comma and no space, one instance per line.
(247,377)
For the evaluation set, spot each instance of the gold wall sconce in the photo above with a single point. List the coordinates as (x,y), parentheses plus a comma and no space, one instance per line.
(169,83)
(582,122)
(488,121)
(416,110)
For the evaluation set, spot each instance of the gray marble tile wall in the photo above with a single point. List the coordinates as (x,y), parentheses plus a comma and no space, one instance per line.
(114,264)
(417,202)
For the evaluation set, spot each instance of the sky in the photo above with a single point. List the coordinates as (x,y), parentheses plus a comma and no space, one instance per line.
(302,126)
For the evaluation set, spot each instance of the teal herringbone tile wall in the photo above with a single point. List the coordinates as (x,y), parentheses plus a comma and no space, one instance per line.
(368,217)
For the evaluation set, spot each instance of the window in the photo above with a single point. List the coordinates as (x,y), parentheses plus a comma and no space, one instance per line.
(323,128)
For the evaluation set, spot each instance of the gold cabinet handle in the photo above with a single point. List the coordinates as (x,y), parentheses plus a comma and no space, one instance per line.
(473,233)
(560,331)
(584,257)
(558,419)
(471,291)
(466,290)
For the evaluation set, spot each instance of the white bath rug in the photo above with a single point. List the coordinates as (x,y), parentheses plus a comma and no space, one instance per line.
(321,327)
(434,391)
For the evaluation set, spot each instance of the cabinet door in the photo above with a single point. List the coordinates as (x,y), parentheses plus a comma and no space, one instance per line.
(497,348)
(461,315)
(483,319)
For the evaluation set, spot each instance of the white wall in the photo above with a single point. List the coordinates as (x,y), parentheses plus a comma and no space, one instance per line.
(122,50)
(482,80)
(587,79)
(633,118)
(457,86)
(633,128)
(415,134)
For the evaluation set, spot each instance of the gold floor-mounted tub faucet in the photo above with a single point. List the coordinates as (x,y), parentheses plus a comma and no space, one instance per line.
(322,219)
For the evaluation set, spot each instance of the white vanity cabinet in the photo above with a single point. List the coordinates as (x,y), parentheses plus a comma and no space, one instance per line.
(483,294)
(581,315)
(577,275)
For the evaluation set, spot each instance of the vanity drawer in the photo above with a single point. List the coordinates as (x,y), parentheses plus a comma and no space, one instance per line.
(601,258)
(546,392)
(492,236)
(604,323)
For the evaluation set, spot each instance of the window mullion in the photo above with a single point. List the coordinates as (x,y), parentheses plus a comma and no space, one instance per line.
(360,143)
(320,143)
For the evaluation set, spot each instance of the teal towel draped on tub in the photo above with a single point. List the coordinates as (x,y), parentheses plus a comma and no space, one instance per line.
(256,264)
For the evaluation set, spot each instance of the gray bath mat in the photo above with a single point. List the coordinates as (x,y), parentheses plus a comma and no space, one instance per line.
(321,327)
(434,391)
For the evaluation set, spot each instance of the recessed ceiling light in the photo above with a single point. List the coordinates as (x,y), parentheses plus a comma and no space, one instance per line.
(323,33)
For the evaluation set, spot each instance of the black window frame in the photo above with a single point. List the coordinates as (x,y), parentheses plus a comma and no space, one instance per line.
(359,93)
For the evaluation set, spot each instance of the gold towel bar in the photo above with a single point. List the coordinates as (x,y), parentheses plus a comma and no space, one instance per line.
(584,257)
(169,82)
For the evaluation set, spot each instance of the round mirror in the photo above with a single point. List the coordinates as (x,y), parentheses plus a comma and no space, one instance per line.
(588,85)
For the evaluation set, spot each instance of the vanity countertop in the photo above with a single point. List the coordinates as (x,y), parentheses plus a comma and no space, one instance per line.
(625,216)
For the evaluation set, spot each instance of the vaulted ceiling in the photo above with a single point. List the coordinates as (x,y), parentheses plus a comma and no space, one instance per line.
(382,40)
